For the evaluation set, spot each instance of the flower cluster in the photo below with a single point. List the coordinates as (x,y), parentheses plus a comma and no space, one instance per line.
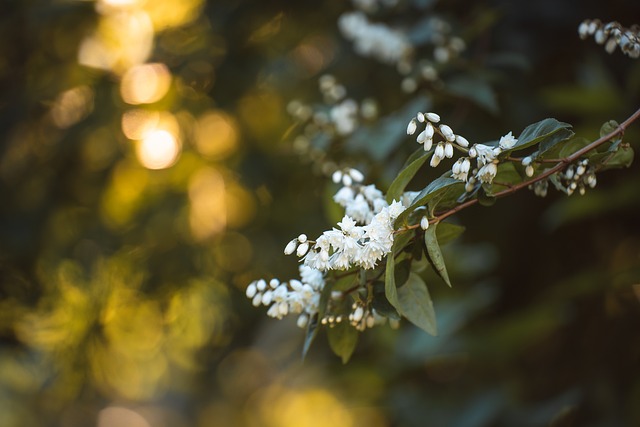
(375,40)
(354,245)
(486,155)
(293,297)
(612,35)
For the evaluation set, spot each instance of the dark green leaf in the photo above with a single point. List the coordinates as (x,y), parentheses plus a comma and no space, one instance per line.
(537,132)
(485,198)
(551,141)
(447,231)
(434,188)
(400,183)
(415,304)
(621,158)
(435,255)
(572,146)
(343,339)
(608,127)
(401,272)
(381,304)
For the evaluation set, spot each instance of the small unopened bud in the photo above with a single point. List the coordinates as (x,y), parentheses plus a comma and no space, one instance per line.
(435,160)
(257,300)
(529,171)
(303,249)
(448,150)
(336,177)
(347,180)
(462,141)
(424,223)
(358,313)
(303,319)
(251,290)
(411,127)
(302,238)
(356,175)
(267,297)
(447,132)
(473,152)
(261,285)
(527,161)
(428,144)
(291,246)
(420,117)
(432,117)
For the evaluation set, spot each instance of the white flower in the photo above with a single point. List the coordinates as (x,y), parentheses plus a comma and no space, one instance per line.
(507,142)
(488,172)
(344,196)
(460,169)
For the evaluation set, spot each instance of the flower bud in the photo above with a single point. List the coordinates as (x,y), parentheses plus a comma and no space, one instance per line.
(302,321)
(358,313)
(291,246)
(429,131)
(420,117)
(432,117)
(462,141)
(267,297)
(251,290)
(257,300)
(448,150)
(529,171)
(336,177)
(439,152)
(302,238)
(261,285)
(411,127)
(347,180)
(447,132)
(424,223)
(273,283)
(428,144)
(356,175)
(303,249)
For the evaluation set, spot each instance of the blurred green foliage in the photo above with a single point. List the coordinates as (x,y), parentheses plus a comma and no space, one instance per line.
(123,267)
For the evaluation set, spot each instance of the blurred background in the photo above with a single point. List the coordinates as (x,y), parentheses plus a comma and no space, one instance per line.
(151,167)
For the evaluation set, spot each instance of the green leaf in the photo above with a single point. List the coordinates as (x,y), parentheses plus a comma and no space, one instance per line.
(551,141)
(535,133)
(390,290)
(343,339)
(400,183)
(435,255)
(572,146)
(485,197)
(447,231)
(608,127)
(381,304)
(435,187)
(401,272)
(623,157)
(415,304)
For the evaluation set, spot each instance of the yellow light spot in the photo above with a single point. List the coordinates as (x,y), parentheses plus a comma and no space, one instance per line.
(158,150)
(72,106)
(115,416)
(216,135)
(208,213)
(121,40)
(145,84)
(136,124)
(303,408)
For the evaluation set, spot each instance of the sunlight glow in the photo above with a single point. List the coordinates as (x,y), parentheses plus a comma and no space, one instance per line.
(145,84)
(158,150)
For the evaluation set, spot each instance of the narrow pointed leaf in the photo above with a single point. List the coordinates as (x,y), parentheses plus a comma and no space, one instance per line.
(435,255)
(536,132)
(416,305)
(434,188)
(405,176)
(310,336)
(343,339)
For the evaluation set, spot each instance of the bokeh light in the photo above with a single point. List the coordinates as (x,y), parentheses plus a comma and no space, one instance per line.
(145,84)
(216,135)
(159,149)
